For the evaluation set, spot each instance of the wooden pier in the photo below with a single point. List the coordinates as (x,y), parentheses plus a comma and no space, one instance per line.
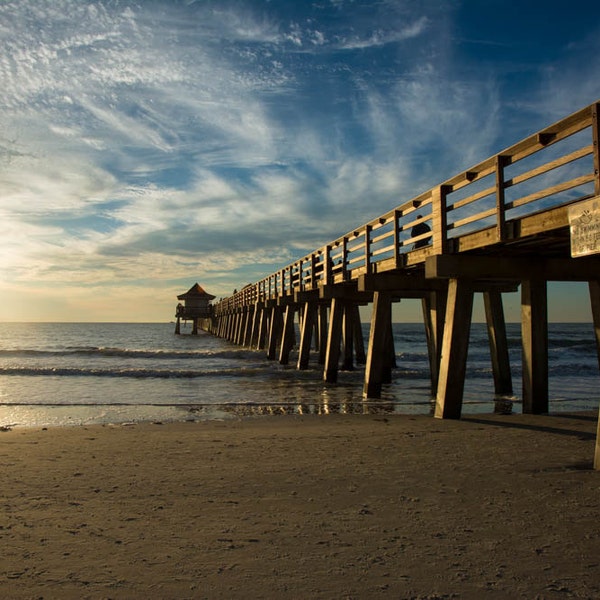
(520,219)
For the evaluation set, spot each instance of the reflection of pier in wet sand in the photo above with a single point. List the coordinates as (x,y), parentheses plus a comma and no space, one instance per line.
(525,216)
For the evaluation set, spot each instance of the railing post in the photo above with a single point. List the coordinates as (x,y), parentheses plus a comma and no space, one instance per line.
(397,255)
(596,142)
(501,162)
(327,267)
(439,219)
(344,258)
(368,266)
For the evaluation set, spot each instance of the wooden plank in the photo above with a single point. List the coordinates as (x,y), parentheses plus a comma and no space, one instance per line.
(380,320)
(398,282)
(551,191)
(496,327)
(484,214)
(511,268)
(470,199)
(549,166)
(534,333)
(455,344)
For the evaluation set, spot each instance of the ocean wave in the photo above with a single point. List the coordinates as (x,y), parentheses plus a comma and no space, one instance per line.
(128,353)
(127,373)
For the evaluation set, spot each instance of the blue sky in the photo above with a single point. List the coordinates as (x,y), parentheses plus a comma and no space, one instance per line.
(148,145)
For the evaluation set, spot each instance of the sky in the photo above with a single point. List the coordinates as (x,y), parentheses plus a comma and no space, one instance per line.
(148,145)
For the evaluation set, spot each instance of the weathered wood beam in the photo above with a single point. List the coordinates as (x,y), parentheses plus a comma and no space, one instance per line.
(594,289)
(276,325)
(496,326)
(334,339)
(378,344)
(534,333)
(348,338)
(310,316)
(289,337)
(434,310)
(511,268)
(398,283)
(455,345)
(323,332)
(345,291)
(359,345)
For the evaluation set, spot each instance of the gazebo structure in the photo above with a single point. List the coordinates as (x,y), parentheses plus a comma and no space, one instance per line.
(196,305)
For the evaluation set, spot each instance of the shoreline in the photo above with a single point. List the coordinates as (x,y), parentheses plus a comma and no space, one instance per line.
(335,506)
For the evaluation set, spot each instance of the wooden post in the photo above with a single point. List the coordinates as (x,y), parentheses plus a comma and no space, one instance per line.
(434,309)
(334,339)
(262,328)
(288,339)
(496,326)
(195,326)
(534,331)
(348,339)
(501,162)
(256,318)
(596,145)
(439,219)
(378,344)
(178,326)
(274,332)
(594,288)
(455,345)
(310,316)
(359,344)
(323,332)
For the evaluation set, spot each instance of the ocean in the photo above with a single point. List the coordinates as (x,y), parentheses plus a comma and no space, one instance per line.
(84,373)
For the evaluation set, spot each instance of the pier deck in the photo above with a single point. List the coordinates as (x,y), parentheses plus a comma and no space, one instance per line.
(521,218)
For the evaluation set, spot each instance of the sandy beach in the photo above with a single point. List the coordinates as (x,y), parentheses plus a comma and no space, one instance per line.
(494,506)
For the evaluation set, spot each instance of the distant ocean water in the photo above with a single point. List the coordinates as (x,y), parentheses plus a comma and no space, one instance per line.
(80,373)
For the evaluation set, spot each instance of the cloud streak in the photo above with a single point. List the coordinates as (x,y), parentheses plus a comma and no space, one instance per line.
(150,143)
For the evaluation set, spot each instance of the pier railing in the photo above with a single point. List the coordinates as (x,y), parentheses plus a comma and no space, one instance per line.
(495,202)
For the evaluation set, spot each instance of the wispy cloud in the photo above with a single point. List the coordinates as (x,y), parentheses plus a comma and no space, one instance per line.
(168,141)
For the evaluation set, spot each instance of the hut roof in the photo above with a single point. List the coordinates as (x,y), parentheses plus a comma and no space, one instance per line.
(195,291)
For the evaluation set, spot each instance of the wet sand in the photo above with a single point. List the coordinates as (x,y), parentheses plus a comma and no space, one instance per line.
(303,507)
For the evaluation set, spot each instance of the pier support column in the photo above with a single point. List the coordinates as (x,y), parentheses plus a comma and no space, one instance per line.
(455,345)
(496,326)
(195,326)
(178,326)
(323,332)
(348,338)
(379,335)
(359,343)
(534,332)
(289,336)
(310,318)
(275,328)
(334,339)
(263,328)
(434,308)
(594,288)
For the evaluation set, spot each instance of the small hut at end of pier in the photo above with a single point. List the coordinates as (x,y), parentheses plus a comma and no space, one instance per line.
(193,305)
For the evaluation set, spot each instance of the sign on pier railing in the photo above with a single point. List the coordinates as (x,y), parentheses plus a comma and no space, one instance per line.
(584,223)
